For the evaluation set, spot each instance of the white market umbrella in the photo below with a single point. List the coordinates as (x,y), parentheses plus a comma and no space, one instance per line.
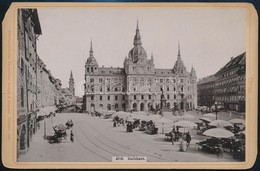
(210,115)
(220,123)
(237,121)
(218,133)
(205,119)
(185,124)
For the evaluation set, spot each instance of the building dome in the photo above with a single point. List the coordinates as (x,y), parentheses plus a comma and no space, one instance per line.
(91,61)
(136,53)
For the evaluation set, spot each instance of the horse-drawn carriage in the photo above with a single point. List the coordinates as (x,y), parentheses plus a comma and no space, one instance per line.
(211,145)
(69,124)
(59,134)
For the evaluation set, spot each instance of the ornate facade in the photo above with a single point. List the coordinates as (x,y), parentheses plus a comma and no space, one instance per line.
(138,85)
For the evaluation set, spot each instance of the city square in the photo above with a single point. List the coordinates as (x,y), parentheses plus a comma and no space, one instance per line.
(97,140)
(157,102)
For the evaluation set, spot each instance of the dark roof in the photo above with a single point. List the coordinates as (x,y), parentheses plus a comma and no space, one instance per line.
(208,79)
(239,60)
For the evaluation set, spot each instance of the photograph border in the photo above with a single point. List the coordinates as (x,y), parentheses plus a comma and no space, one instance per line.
(9,90)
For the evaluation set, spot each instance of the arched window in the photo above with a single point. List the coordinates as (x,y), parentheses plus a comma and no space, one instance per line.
(109,107)
(116,107)
(168,105)
(134,106)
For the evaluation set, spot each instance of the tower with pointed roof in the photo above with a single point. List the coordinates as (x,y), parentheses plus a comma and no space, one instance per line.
(71,84)
(91,65)
(179,67)
(137,61)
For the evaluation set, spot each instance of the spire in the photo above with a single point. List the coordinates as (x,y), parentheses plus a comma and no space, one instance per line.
(179,51)
(152,55)
(71,75)
(137,38)
(71,84)
(137,28)
(91,49)
(193,72)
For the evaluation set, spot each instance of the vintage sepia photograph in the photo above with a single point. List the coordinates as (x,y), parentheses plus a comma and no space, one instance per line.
(134,85)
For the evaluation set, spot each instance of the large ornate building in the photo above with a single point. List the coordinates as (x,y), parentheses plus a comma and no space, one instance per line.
(138,86)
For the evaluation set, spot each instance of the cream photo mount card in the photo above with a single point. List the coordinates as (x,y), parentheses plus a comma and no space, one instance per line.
(130,85)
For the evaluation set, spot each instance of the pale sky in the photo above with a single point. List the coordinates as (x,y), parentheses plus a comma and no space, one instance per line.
(208,38)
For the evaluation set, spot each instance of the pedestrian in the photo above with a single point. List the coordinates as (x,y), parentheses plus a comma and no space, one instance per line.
(188,139)
(71,136)
(71,123)
(114,124)
(172,137)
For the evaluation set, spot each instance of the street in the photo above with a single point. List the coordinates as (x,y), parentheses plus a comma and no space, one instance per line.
(96,140)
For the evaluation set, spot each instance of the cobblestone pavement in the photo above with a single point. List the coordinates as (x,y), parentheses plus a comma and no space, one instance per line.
(96,140)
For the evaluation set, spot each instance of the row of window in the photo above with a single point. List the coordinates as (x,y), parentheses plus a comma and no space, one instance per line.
(229,81)
(142,97)
(91,69)
(206,86)
(160,80)
(229,73)
(230,98)
(231,89)
(109,97)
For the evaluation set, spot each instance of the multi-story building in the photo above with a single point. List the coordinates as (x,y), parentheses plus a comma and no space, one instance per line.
(138,85)
(226,87)
(28,30)
(206,87)
(58,92)
(230,84)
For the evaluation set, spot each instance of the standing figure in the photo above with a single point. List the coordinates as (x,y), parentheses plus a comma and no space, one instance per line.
(188,139)
(71,136)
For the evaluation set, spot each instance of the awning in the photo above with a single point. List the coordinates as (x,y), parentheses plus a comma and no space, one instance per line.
(46,110)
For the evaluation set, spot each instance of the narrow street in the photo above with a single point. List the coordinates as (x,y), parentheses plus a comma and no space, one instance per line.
(96,140)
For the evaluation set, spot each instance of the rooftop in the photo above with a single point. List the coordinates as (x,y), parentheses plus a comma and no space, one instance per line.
(207,79)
